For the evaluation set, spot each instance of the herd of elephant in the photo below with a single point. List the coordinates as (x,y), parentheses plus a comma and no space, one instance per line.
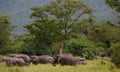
(25,60)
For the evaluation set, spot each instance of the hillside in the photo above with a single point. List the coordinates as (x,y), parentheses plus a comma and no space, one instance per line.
(19,11)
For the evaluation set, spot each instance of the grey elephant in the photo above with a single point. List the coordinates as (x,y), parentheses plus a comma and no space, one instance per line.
(11,61)
(25,57)
(64,59)
(101,54)
(43,59)
(34,59)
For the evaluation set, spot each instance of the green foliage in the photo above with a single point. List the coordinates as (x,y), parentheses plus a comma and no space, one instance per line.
(116,54)
(52,23)
(82,47)
(14,46)
(45,33)
(103,32)
(5,30)
(28,47)
(114,4)
(54,49)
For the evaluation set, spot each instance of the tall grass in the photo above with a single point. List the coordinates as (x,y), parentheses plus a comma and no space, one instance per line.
(92,66)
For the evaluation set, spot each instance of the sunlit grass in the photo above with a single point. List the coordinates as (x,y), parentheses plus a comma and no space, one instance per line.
(92,66)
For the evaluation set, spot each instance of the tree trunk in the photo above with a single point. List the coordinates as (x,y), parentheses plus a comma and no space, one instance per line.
(61,47)
(62,44)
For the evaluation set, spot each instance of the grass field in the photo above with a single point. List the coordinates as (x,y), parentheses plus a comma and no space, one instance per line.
(92,66)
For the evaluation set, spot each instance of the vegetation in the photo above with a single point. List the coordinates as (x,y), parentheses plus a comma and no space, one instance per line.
(53,22)
(64,26)
(115,4)
(5,31)
(82,47)
(116,54)
(92,66)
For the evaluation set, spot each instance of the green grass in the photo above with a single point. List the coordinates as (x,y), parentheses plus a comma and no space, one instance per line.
(92,66)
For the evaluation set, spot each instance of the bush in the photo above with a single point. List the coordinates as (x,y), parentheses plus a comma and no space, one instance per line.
(116,54)
(14,46)
(81,47)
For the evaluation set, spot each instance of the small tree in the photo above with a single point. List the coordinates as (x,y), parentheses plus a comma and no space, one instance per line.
(5,30)
(63,14)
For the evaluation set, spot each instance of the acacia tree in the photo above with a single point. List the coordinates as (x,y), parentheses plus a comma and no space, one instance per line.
(56,20)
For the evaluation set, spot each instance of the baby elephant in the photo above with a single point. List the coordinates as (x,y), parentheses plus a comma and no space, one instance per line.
(26,58)
(64,59)
(43,59)
(14,61)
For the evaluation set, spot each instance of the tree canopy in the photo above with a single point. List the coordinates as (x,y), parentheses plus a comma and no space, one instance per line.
(53,22)
(115,4)
(5,30)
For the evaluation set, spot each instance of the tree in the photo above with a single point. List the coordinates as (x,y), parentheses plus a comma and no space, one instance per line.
(5,30)
(56,19)
(115,4)
(82,47)
(104,32)
(116,54)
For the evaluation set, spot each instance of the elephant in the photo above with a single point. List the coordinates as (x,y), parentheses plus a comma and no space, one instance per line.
(11,61)
(81,61)
(25,57)
(1,58)
(64,59)
(101,54)
(34,59)
(43,59)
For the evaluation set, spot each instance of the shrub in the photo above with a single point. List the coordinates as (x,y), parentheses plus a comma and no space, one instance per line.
(116,54)
(81,47)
